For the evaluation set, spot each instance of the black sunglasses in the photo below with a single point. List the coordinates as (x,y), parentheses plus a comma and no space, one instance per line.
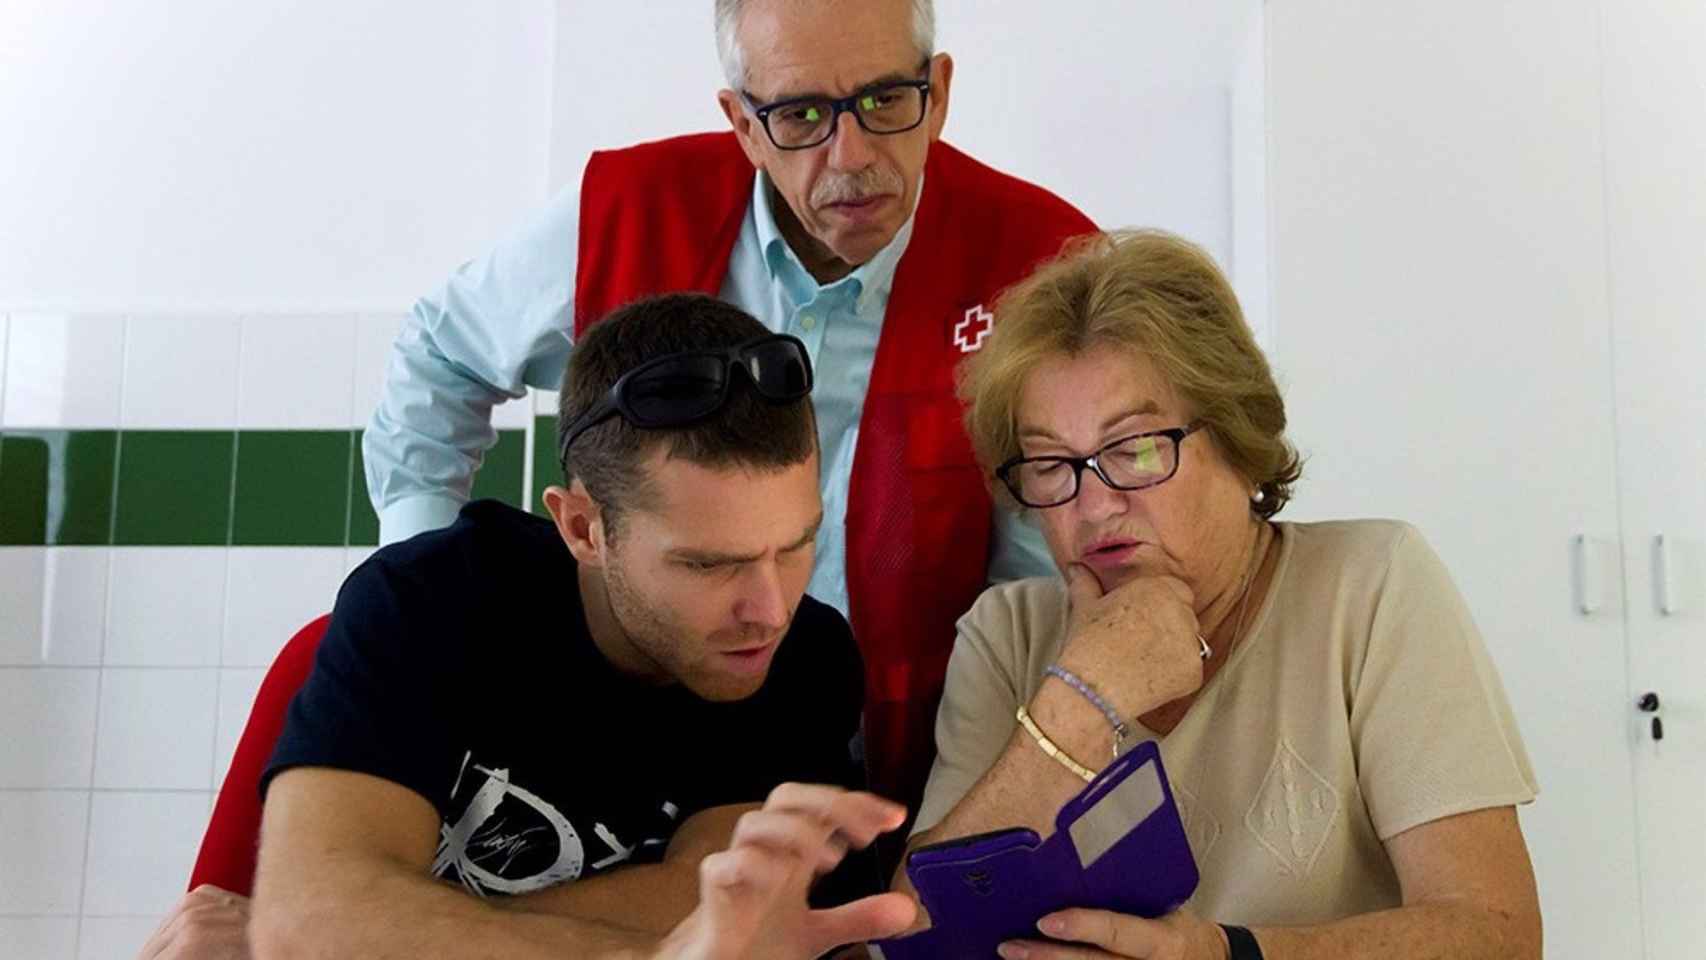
(683,388)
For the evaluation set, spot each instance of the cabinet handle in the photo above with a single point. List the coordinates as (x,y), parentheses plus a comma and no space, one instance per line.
(1588,599)
(1662,565)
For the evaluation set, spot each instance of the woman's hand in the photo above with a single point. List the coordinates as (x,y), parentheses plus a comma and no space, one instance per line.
(1101,935)
(1137,643)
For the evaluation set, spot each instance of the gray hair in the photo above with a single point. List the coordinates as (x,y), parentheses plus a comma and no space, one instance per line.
(734,59)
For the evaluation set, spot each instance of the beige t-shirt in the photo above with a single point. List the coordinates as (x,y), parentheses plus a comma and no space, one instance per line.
(1361,703)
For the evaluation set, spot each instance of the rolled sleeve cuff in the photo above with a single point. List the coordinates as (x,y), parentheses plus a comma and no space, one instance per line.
(411,515)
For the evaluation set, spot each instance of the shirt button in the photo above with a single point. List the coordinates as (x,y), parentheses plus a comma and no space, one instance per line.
(808,321)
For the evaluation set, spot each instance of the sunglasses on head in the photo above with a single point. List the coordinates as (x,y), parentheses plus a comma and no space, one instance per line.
(683,388)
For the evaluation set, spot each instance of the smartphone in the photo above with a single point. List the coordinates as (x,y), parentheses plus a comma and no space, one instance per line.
(1118,845)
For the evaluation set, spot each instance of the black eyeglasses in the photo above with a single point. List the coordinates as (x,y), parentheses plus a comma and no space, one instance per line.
(883,108)
(683,388)
(1129,463)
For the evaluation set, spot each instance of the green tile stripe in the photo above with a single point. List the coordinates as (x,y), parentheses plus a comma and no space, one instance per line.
(204,487)
(547,472)
(56,486)
(174,488)
(292,488)
(500,473)
(363,530)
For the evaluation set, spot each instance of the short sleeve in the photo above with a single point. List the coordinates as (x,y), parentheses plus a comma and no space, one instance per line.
(980,697)
(372,703)
(1432,729)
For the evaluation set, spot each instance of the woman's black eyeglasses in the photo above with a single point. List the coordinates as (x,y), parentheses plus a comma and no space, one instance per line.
(1129,463)
(682,388)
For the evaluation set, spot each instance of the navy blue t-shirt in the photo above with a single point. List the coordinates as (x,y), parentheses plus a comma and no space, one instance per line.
(458,664)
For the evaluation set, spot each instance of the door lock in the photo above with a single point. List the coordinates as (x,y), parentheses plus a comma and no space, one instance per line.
(1649,703)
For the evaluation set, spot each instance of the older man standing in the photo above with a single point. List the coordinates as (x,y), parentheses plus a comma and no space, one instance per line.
(832,212)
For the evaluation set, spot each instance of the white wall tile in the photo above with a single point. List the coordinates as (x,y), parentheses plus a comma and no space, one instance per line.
(512,415)
(48,719)
(74,619)
(295,372)
(23,578)
(114,938)
(141,849)
(5,324)
(42,850)
(180,373)
(52,605)
(63,370)
(274,591)
(166,606)
(373,339)
(40,938)
(237,690)
(156,729)
(355,557)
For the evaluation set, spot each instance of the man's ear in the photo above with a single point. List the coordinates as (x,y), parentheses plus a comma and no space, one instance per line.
(579,520)
(941,78)
(746,126)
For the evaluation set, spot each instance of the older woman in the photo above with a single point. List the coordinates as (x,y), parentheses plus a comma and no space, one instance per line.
(1344,758)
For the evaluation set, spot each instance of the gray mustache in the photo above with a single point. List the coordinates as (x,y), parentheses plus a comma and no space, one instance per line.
(851,188)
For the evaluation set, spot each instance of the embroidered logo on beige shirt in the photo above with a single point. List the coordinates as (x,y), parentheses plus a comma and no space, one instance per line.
(1294,811)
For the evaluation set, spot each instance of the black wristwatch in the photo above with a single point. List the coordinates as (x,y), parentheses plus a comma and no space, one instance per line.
(1242,943)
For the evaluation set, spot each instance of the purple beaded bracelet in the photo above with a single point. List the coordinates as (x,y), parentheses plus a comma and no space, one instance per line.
(1121,731)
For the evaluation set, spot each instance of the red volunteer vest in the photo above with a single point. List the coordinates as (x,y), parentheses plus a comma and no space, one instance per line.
(664,217)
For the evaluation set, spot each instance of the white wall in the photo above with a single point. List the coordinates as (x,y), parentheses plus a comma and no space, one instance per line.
(1486,292)
(269,154)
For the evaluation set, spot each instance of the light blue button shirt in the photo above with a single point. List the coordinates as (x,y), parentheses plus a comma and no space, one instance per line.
(503,324)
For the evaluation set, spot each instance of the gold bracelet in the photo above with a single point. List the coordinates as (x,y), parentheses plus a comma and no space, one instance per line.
(1024,718)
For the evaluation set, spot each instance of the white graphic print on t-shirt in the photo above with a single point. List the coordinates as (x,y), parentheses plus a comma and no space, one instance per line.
(509,840)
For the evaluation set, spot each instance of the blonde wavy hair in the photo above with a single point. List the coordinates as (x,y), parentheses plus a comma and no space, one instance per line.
(1162,298)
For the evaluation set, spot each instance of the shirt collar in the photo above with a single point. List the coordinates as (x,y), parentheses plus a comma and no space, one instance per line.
(870,279)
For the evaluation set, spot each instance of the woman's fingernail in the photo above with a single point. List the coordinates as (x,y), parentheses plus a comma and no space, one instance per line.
(1053,926)
(1012,951)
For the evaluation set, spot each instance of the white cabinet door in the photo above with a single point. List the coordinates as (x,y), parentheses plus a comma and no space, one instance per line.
(1655,131)
(1440,321)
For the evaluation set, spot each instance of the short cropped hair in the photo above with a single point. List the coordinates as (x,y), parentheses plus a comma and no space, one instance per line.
(1159,297)
(726,17)
(748,431)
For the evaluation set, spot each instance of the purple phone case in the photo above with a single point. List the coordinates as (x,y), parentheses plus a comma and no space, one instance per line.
(1119,845)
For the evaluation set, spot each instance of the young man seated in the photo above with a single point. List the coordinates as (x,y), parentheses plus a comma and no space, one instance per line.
(529,738)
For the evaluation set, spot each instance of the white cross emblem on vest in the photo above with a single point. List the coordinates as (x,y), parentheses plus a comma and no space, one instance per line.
(970,332)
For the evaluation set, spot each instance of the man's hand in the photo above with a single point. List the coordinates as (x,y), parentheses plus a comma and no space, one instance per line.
(1136,644)
(207,924)
(752,900)
(1101,935)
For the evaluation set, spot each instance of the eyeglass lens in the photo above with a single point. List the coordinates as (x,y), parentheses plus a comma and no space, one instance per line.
(882,110)
(1129,464)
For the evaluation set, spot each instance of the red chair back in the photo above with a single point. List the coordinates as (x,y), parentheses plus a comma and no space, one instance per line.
(228,849)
